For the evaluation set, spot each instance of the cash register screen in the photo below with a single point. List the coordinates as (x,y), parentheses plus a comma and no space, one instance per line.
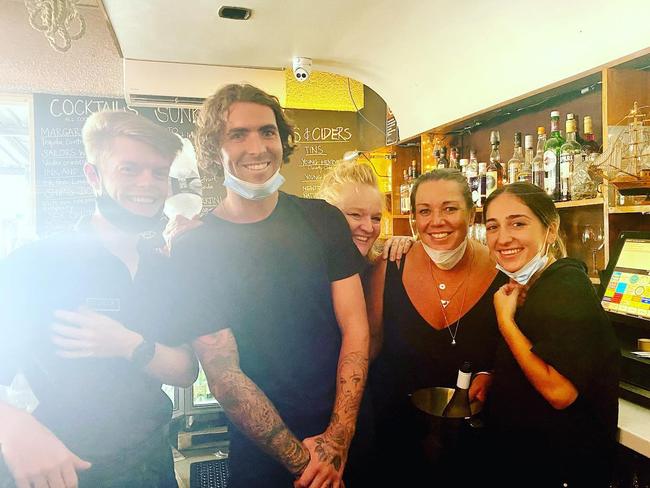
(628,290)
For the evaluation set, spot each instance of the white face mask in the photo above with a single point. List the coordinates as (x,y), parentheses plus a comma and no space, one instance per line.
(446,259)
(525,273)
(253,191)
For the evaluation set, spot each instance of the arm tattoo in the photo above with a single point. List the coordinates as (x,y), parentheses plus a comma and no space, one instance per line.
(352,373)
(248,407)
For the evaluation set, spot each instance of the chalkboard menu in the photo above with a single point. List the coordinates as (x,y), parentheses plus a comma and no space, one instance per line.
(62,193)
(322,137)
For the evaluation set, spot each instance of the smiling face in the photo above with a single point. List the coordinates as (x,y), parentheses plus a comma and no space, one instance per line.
(251,148)
(441,214)
(361,205)
(514,233)
(133,174)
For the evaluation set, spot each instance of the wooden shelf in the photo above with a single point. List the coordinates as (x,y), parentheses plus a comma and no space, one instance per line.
(401,216)
(630,209)
(580,203)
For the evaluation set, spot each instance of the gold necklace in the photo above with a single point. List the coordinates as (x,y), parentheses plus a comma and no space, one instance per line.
(443,305)
(442,286)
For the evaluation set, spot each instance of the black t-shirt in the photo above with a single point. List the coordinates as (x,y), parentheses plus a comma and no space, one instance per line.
(270,282)
(569,330)
(96,406)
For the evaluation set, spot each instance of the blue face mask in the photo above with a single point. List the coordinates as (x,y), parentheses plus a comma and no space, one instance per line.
(253,191)
(525,273)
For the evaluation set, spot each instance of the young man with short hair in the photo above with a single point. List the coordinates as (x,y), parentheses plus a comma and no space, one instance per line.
(80,318)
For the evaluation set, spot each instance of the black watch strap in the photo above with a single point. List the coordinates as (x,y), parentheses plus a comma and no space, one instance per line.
(143,354)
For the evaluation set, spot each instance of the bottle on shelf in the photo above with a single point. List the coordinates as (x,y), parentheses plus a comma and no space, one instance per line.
(579,139)
(494,170)
(404,193)
(414,169)
(473,162)
(526,172)
(453,158)
(552,158)
(458,406)
(462,164)
(516,161)
(482,184)
(436,158)
(538,159)
(443,162)
(570,154)
(590,146)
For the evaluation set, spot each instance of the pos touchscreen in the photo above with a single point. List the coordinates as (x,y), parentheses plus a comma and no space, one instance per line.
(628,277)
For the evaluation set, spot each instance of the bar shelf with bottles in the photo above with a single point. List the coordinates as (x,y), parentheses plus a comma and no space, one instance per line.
(591,218)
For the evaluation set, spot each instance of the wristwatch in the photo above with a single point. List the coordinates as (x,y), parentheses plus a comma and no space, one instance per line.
(143,354)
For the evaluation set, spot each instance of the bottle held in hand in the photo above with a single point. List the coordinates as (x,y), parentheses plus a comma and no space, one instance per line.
(458,406)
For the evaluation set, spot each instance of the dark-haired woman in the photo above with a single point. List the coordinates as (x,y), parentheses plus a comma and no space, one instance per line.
(435,312)
(554,400)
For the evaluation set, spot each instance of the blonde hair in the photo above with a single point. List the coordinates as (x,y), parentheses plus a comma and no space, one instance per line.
(101,128)
(346,172)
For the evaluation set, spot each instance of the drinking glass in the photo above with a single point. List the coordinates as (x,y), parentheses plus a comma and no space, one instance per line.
(593,237)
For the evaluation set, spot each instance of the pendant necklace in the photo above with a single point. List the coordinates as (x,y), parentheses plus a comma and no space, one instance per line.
(444,303)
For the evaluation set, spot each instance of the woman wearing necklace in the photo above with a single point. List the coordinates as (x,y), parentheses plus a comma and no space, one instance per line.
(435,312)
(554,402)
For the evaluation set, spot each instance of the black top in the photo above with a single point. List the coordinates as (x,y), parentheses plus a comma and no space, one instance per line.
(415,355)
(270,282)
(96,406)
(569,330)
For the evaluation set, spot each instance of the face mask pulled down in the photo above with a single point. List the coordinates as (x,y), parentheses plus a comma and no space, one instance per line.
(253,191)
(526,272)
(446,259)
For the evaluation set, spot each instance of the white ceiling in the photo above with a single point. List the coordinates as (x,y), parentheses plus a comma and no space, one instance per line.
(432,61)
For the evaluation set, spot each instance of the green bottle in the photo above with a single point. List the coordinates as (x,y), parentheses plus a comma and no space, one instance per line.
(570,155)
(552,158)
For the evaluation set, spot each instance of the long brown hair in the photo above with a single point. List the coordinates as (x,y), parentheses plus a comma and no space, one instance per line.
(212,118)
(539,203)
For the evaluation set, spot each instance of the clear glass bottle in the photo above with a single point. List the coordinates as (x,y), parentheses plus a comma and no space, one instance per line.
(552,158)
(404,194)
(538,159)
(570,154)
(526,172)
(494,170)
(453,158)
(482,184)
(516,161)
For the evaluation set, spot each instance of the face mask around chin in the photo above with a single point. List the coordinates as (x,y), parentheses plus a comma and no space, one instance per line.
(125,220)
(526,272)
(446,259)
(253,191)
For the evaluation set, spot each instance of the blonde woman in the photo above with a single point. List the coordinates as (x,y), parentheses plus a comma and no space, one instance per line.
(353,188)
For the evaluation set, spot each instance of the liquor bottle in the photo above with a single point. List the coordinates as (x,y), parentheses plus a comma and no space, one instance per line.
(494,170)
(516,161)
(443,162)
(404,193)
(458,406)
(436,158)
(482,184)
(526,172)
(453,158)
(414,170)
(473,162)
(538,160)
(590,145)
(462,164)
(552,158)
(570,154)
(579,139)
